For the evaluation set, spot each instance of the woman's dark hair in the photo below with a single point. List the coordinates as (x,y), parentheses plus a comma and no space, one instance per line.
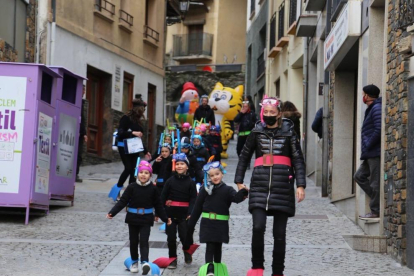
(288,106)
(136,114)
(251,103)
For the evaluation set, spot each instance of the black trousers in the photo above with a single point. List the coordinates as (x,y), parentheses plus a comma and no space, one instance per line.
(240,143)
(80,148)
(368,178)
(129,161)
(139,235)
(171,231)
(279,240)
(213,252)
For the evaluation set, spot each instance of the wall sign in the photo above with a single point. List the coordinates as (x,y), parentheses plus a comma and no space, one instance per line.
(66,145)
(44,143)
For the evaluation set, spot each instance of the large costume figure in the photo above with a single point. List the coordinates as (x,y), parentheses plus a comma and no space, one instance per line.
(188,104)
(226,103)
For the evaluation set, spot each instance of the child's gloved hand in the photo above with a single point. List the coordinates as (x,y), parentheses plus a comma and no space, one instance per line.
(168,203)
(109,216)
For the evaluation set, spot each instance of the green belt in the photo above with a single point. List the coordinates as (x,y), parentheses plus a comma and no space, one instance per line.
(244,133)
(215,216)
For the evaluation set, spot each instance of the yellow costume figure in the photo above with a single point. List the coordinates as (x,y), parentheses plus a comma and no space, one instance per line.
(226,103)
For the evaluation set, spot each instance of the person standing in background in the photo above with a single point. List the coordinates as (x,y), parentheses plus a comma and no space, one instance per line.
(290,111)
(82,137)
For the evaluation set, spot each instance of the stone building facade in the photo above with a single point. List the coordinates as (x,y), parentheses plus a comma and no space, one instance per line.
(396,119)
(8,53)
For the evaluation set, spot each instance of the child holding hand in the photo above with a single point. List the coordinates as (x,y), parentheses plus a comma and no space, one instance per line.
(213,204)
(142,198)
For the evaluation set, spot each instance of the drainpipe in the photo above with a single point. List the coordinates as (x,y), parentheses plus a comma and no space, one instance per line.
(325,152)
(305,91)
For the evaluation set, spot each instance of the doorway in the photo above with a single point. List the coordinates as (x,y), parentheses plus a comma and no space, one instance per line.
(195,39)
(94,96)
(152,102)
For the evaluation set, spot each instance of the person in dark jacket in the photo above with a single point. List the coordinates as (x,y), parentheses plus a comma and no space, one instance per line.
(82,137)
(142,198)
(317,125)
(204,111)
(290,111)
(279,161)
(194,169)
(368,174)
(246,120)
(130,126)
(179,195)
(214,139)
(162,166)
(199,150)
(185,130)
(213,204)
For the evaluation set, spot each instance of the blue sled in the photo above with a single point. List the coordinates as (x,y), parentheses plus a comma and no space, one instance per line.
(162,227)
(114,192)
(128,263)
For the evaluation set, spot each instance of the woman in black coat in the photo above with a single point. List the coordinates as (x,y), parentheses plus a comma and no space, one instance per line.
(279,160)
(290,111)
(130,126)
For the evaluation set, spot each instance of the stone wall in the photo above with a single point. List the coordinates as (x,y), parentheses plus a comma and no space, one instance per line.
(395,181)
(8,53)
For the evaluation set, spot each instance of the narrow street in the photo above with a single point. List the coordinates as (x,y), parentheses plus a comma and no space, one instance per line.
(79,240)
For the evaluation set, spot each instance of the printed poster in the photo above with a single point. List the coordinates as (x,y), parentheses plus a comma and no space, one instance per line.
(66,146)
(12,113)
(44,144)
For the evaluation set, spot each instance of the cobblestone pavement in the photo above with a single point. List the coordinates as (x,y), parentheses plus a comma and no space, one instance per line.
(79,240)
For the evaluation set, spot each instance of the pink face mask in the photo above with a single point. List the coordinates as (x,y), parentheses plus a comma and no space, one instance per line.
(364,99)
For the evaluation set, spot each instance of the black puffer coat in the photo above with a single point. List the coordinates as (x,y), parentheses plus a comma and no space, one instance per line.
(271,188)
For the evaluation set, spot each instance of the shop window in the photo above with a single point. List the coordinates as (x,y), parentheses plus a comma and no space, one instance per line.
(46,92)
(69,88)
(13,13)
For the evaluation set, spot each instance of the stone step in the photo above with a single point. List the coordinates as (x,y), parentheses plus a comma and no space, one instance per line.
(367,243)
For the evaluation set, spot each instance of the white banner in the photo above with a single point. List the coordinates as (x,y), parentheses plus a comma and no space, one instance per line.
(66,146)
(12,110)
(44,141)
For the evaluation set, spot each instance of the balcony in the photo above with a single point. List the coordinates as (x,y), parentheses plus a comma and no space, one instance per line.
(126,21)
(274,51)
(105,10)
(151,36)
(306,25)
(315,5)
(337,6)
(196,46)
(292,17)
(282,39)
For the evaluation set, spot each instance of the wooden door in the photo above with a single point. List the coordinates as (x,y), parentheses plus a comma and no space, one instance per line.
(195,39)
(151,115)
(94,96)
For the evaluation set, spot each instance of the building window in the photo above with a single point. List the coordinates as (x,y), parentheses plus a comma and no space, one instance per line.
(13,13)
(272,38)
(127,92)
(277,86)
(252,6)
(292,12)
(281,31)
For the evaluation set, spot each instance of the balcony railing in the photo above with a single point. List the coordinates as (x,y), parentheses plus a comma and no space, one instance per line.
(192,45)
(281,27)
(272,38)
(151,33)
(252,6)
(406,16)
(337,8)
(105,5)
(261,65)
(292,11)
(126,17)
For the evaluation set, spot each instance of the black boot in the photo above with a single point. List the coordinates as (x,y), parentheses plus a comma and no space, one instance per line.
(210,270)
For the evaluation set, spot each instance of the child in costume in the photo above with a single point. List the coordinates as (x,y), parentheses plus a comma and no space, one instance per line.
(195,170)
(215,140)
(179,195)
(142,198)
(185,130)
(162,166)
(213,204)
(199,150)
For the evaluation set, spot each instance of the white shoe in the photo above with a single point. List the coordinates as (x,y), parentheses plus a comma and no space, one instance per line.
(134,268)
(145,268)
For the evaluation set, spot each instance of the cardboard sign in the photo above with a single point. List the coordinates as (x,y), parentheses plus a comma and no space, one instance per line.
(133,145)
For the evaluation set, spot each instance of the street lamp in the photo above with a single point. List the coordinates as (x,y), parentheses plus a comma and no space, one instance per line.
(184,5)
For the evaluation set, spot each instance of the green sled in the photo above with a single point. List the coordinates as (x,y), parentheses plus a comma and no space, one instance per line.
(220,269)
